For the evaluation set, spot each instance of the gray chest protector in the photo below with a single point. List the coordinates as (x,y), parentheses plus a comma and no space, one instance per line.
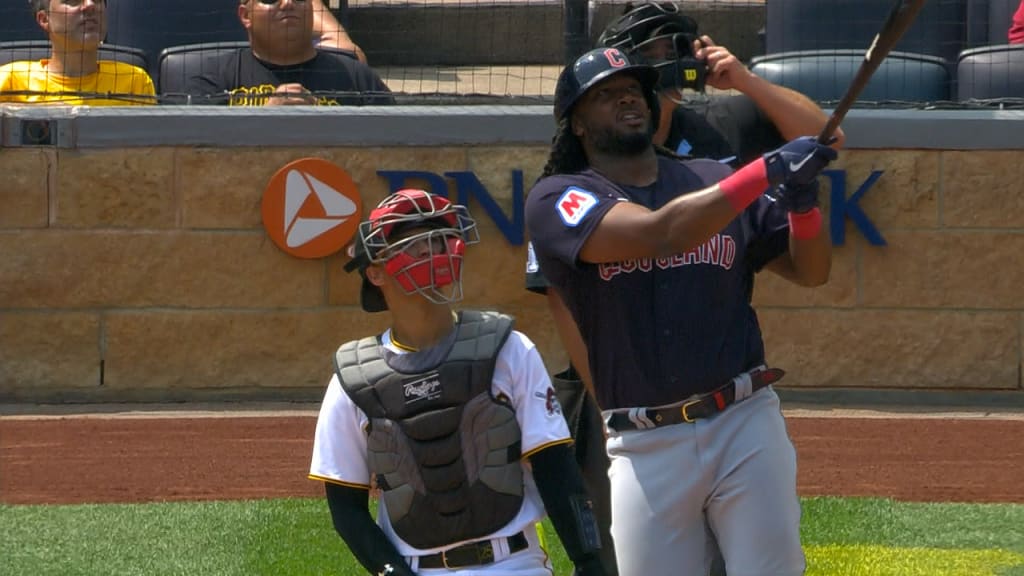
(443,451)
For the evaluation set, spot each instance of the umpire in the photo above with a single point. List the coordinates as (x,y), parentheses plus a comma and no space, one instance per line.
(734,129)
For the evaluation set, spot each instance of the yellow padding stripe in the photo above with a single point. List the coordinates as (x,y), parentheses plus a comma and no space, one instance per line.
(338,482)
(543,446)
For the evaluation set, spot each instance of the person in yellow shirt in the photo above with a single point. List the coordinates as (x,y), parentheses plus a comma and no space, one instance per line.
(74,74)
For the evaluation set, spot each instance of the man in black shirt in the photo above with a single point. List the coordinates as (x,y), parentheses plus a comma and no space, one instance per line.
(282,66)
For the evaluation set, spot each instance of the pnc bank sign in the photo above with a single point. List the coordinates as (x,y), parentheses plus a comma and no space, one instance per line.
(311,207)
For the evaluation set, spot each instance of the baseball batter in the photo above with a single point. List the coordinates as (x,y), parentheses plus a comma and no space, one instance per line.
(654,259)
(735,129)
(450,415)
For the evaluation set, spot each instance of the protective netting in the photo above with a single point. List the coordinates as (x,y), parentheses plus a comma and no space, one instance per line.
(476,51)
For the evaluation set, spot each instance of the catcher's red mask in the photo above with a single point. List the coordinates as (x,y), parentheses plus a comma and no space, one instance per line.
(420,238)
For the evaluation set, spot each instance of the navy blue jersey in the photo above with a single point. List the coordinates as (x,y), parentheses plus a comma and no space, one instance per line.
(656,330)
(719,128)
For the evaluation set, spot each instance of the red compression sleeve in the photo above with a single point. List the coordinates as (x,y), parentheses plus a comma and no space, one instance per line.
(805,226)
(745,185)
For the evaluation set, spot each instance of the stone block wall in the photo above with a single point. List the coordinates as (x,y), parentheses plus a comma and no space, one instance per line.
(145,274)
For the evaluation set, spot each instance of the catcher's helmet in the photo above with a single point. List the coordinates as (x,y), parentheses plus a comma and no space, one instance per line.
(644,24)
(638,24)
(595,66)
(420,238)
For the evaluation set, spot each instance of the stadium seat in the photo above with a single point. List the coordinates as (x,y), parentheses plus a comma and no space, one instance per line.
(37,49)
(991,72)
(178,63)
(798,25)
(17,23)
(153,25)
(977,23)
(824,75)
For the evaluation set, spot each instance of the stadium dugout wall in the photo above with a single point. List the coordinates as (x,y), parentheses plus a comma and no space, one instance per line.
(136,266)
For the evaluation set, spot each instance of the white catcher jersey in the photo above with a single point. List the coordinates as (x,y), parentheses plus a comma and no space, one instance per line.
(339,447)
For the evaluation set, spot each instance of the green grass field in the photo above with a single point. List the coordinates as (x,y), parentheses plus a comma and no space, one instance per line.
(842,536)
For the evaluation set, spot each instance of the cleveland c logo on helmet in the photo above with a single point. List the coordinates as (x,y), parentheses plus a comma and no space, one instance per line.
(615,58)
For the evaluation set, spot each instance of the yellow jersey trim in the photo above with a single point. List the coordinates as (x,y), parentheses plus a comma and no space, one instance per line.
(543,446)
(338,482)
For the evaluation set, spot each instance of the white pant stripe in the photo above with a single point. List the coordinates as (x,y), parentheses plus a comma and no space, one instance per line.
(638,416)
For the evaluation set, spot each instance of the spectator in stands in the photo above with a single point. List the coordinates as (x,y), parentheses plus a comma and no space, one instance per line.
(1017,27)
(329,33)
(281,66)
(74,74)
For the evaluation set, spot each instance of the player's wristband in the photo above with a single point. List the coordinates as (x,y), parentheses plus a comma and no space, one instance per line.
(745,185)
(806,225)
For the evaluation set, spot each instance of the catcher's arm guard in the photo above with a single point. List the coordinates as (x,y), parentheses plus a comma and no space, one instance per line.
(351,516)
(561,488)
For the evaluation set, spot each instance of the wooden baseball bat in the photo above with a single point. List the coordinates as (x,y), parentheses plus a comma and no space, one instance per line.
(900,18)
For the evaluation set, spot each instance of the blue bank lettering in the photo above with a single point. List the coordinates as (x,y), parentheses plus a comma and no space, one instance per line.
(842,208)
(468,187)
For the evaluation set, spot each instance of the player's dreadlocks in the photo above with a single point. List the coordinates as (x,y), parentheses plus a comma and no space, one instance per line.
(567,155)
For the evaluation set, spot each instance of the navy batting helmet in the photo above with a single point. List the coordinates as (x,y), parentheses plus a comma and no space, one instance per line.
(595,66)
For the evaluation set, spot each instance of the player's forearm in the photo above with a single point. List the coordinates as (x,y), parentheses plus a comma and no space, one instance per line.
(571,338)
(630,231)
(352,521)
(695,218)
(792,113)
(811,257)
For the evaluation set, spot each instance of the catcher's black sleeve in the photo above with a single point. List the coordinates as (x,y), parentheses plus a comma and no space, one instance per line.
(569,507)
(351,516)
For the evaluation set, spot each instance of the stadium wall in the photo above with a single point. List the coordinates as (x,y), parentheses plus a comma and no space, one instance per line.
(135,265)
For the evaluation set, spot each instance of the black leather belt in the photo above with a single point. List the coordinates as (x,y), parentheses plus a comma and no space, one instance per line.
(472,554)
(700,406)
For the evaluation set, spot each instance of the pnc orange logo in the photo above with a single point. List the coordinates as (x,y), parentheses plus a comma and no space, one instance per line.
(311,208)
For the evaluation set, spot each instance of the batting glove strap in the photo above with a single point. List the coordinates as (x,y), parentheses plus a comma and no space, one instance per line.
(798,199)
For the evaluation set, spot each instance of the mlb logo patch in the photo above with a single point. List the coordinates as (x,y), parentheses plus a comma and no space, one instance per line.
(574,204)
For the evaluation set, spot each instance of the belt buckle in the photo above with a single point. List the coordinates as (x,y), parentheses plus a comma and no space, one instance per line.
(682,409)
(484,555)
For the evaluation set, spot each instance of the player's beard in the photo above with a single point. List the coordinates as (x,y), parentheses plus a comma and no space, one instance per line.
(612,142)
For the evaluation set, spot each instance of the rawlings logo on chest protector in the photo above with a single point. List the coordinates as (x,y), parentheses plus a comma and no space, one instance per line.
(426,388)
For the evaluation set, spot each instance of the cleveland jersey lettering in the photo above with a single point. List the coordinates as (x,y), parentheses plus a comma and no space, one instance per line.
(720,250)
